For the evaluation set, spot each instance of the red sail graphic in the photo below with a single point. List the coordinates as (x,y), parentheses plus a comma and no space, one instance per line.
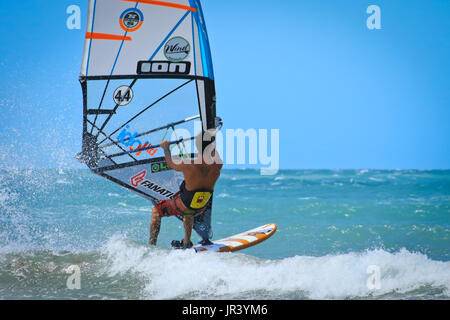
(137,179)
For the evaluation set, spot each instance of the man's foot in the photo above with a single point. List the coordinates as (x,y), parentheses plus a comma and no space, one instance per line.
(205,242)
(181,245)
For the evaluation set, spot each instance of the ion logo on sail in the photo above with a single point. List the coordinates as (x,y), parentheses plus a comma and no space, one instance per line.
(177,49)
(131,19)
(163,67)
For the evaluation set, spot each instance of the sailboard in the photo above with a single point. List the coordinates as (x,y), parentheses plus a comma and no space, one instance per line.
(146,76)
(240,241)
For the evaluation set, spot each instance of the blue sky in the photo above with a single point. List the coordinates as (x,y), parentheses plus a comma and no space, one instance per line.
(343,96)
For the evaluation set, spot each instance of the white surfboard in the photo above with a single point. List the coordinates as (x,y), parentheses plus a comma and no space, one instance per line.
(240,241)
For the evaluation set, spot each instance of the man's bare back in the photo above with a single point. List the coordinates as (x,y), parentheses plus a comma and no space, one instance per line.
(201,176)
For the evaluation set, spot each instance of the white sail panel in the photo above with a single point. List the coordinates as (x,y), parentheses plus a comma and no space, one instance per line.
(160,32)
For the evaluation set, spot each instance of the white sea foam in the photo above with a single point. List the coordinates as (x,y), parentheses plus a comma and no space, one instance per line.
(115,195)
(307,198)
(64,181)
(186,274)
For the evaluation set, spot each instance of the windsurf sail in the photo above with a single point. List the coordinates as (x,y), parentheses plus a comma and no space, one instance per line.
(146,76)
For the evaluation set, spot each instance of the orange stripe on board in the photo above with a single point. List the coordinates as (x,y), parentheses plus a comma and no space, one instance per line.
(165,4)
(257,236)
(230,249)
(106,36)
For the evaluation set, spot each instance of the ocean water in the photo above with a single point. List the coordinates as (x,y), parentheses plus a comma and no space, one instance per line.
(350,234)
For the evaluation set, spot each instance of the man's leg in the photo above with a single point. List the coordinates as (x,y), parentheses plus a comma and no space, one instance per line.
(188,222)
(155,226)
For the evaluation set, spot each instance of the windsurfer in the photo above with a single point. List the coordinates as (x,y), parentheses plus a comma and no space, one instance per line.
(196,191)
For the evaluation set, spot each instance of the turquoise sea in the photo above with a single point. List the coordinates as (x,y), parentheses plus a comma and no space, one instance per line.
(343,234)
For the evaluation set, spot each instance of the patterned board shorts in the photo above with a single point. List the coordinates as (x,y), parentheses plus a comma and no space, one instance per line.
(175,207)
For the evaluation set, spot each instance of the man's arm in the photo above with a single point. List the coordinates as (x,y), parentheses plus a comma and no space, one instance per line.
(165,145)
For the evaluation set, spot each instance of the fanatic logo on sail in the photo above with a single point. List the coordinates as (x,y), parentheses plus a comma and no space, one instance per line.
(139,180)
